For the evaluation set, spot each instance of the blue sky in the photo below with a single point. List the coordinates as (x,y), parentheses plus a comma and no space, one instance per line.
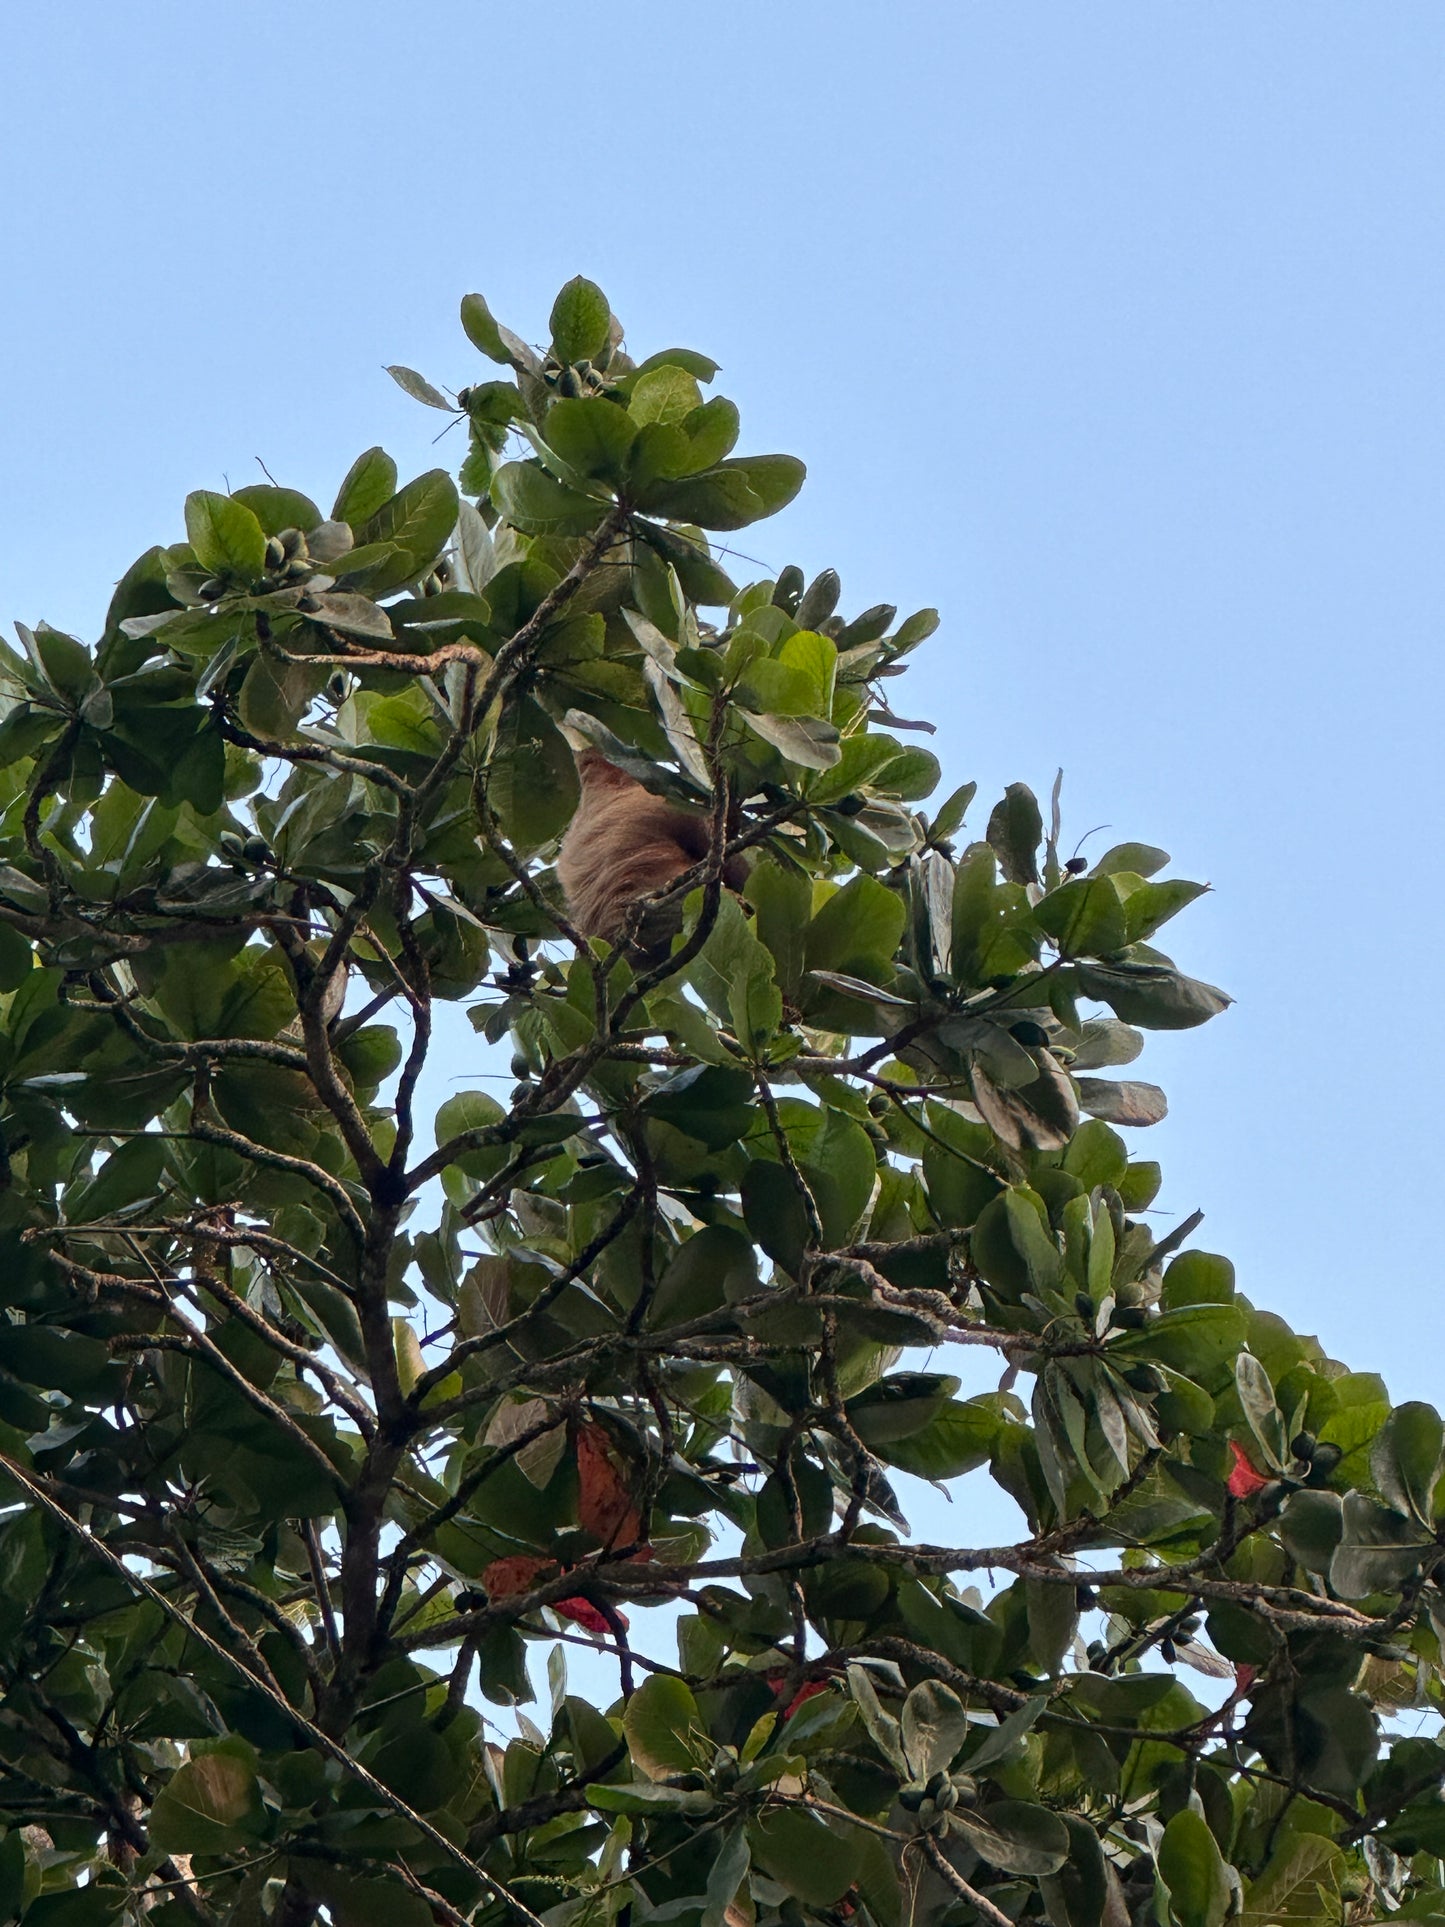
(1114,331)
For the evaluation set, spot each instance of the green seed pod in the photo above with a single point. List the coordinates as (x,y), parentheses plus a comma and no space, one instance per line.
(256,849)
(818,600)
(1129,1292)
(308,604)
(1303,1446)
(275,554)
(1084,1306)
(212,590)
(911,1798)
(1130,1318)
(292,541)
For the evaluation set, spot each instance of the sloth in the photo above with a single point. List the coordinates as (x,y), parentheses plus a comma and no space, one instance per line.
(624,843)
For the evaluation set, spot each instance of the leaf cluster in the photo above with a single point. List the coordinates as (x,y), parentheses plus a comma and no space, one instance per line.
(318,1417)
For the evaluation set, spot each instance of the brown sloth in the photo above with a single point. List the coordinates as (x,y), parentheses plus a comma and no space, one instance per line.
(624,843)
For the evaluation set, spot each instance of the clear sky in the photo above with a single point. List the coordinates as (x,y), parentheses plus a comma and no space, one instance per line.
(1113,330)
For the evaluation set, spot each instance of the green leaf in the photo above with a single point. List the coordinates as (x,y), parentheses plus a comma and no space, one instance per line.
(1149,905)
(1081,1892)
(1405,1459)
(775,1213)
(857,930)
(1015,1836)
(933,1726)
(278,508)
(666,395)
(416,521)
(1192,1867)
(1197,1278)
(957,1439)
(1084,916)
(580,323)
(538,504)
(1015,830)
(370,482)
(532,781)
(1012,1247)
(1142,858)
(805,1855)
(17,957)
(226,536)
(808,741)
(482,331)
(592,436)
(733,494)
(1154,996)
(419,388)
(664,1729)
(734,976)
(209,1805)
(644,1799)
(1301,1883)
(1378,1550)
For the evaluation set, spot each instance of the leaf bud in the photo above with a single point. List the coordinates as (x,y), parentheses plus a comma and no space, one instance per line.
(818,600)
(1076,865)
(520,1066)
(1167,1652)
(275,554)
(1303,1446)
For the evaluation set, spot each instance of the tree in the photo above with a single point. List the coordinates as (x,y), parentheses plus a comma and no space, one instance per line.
(317,1416)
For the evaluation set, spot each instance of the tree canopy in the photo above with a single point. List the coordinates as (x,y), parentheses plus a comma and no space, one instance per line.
(320,1416)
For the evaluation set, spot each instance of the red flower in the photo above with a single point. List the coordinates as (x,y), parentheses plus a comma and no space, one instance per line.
(1244,1678)
(1243,1481)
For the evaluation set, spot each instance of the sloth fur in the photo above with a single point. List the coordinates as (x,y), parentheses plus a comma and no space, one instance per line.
(624,843)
